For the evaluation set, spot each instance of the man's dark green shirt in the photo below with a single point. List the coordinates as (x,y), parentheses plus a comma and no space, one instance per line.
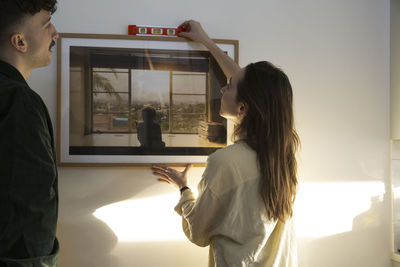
(28,175)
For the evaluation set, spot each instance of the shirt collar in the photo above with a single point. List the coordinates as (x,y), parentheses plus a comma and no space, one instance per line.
(11,72)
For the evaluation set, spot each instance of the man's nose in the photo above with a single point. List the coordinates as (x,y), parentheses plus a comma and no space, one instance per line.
(55,34)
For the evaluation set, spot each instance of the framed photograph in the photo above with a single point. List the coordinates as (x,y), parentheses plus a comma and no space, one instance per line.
(126,100)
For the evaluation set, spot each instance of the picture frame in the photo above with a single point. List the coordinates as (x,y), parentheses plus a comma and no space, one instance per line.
(138,100)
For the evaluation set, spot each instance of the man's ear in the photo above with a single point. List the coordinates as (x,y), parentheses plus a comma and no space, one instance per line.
(18,41)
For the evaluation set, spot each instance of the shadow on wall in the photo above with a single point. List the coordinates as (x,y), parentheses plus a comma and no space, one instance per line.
(87,241)
(362,246)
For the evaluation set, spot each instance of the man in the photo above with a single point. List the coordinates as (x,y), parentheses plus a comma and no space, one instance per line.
(28,171)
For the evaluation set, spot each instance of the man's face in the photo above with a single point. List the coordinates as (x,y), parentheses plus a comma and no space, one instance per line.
(40,34)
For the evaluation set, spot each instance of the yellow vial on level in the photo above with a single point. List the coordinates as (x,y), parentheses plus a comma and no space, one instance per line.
(156,31)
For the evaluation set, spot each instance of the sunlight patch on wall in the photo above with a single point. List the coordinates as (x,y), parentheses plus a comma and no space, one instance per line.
(144,220)
(324,209)
(321,209)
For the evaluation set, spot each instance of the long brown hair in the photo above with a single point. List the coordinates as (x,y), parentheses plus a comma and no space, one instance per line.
(268,128)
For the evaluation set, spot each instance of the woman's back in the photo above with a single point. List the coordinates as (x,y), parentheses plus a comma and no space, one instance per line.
(233,214)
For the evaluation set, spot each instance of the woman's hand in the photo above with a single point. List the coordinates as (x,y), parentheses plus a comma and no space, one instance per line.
(194,32)
(171,176)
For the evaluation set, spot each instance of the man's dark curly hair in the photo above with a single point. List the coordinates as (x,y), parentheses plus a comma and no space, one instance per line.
(13,12)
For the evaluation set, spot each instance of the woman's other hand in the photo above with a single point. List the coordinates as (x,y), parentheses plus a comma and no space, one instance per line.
(171,176)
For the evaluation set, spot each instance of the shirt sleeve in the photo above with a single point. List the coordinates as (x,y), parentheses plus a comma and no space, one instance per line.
(202,217)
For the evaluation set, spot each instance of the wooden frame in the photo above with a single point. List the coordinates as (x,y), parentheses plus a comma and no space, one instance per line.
(106,82)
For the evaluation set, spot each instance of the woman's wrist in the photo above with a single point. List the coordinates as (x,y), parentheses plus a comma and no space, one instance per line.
(183,188)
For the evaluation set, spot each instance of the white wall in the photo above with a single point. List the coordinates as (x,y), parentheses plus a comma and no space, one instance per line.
(337,56)
(395,68)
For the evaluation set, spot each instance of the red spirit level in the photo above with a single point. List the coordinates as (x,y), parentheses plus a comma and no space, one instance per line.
(153,30)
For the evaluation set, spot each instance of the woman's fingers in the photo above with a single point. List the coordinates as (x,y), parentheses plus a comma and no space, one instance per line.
(160,173)
(169,175)
(190,29)
(185,25)
(163,180)
(161,168)
(184,34)
(164,168)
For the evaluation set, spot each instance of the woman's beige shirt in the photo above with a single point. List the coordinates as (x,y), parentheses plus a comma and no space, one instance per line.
(229,214)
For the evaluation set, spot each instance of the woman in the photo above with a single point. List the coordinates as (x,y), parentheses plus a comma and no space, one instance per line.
(246,194)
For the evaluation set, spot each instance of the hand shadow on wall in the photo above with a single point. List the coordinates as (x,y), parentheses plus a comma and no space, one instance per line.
(85,240)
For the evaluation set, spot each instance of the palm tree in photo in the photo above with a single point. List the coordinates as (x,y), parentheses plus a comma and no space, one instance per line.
(104,83)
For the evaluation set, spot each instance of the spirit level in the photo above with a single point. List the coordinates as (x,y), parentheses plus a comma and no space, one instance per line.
(153,30)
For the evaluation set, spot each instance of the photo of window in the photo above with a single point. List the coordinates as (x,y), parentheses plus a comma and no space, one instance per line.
(135,100)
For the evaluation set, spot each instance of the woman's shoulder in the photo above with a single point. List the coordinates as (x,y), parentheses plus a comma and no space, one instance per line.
(236,151)
(235,159)
(230,167)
